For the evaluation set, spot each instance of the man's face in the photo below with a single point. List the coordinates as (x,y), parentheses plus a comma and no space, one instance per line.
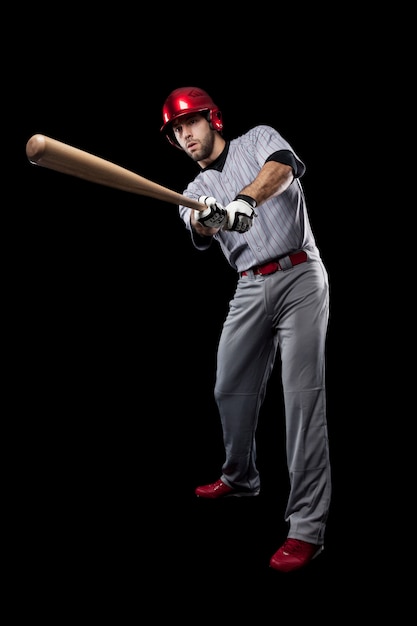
(194,135)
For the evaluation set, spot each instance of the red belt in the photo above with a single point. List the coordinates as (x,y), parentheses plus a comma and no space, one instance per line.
(274,266)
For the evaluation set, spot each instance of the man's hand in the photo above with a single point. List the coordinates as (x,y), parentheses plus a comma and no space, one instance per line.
(214,216)
(240,216)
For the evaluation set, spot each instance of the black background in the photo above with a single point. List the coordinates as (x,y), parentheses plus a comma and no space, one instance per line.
(114,318)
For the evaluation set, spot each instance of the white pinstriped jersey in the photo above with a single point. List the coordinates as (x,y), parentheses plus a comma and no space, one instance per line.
(282,224)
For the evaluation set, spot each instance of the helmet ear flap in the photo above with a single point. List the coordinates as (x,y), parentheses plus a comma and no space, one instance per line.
(215,119)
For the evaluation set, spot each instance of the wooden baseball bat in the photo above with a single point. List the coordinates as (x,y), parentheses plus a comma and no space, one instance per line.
(55,155)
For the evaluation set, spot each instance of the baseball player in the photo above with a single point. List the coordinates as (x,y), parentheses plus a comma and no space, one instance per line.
(256,212)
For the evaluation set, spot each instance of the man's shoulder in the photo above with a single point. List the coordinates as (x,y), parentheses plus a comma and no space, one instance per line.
(255,132)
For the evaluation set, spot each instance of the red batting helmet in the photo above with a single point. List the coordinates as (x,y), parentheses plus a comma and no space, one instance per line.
(187,100)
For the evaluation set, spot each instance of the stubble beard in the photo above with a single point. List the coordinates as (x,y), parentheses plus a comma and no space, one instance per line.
(205,150)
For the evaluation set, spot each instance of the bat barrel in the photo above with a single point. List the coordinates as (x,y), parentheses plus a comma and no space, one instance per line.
(55,155)
(35,148)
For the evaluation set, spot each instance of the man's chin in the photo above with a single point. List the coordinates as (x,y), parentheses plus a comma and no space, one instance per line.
(193,154)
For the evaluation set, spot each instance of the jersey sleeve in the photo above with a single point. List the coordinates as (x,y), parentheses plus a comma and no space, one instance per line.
(270,145)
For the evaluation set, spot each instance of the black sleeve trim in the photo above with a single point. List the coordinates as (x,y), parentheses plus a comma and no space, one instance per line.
(287,157)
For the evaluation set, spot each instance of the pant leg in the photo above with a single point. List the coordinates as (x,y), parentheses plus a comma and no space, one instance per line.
(245,358)
(302,330)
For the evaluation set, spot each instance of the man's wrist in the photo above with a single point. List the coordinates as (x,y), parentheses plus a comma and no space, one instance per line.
(248,199)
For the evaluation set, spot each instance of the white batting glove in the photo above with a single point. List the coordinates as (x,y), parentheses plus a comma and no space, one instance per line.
(240,216)
(214,216)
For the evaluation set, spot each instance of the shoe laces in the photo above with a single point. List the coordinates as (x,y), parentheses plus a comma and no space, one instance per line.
(294,546)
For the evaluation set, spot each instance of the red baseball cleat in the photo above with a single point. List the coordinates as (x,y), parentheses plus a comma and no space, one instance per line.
(220,490)
(294,554)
